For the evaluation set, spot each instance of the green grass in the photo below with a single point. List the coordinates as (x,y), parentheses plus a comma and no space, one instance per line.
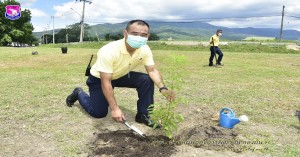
(265,86)
(159,45)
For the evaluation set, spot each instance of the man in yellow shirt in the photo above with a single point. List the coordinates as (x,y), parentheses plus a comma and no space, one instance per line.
(113,68)
(214,48)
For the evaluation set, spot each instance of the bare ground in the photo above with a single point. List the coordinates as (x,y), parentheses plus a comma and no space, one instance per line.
(67,132)
(293,47)
(198,135)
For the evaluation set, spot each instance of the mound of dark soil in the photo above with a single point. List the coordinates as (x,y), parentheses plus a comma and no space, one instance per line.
(211,138)
(124,143)
(198,130)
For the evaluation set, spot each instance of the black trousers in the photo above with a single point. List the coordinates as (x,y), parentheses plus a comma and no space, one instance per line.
(96,104)
(212,54)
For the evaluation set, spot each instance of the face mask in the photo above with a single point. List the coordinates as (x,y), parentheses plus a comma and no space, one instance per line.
(136,41)
(220,34)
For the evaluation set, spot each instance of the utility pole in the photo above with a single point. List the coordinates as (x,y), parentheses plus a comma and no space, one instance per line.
(97,37)
(67,38)
(45,30)
(281,23)
(43,42)
(47,34)
(67,35)
(53,30)
(82,19)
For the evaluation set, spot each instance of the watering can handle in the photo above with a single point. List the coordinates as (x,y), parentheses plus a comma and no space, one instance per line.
(223,109)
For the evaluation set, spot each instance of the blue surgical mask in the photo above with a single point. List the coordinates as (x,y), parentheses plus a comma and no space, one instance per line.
(136,41)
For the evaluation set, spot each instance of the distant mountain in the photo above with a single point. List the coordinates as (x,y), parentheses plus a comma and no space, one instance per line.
(193,31)
(38,35)
(269,32)
(202,30)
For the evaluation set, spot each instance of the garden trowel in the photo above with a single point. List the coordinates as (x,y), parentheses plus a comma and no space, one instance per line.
(134,129)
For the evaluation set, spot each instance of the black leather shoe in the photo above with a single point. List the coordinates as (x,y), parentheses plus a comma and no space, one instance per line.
(142,118)
(210,64)
(73,97)
(220,64)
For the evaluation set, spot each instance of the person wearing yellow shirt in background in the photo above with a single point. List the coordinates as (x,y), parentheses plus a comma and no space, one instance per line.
(114,68)
(214,48)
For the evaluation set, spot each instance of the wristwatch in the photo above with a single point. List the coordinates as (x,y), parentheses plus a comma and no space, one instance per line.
(161,88)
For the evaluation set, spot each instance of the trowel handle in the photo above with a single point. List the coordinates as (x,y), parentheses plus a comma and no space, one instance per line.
(229,109)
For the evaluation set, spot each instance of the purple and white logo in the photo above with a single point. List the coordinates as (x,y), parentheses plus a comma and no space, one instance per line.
(13,12)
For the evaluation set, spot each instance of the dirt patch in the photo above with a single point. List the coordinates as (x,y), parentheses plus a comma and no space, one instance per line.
(198,131)
(293,47)
(28,143)
(124,143)
(210,138)
(201,130)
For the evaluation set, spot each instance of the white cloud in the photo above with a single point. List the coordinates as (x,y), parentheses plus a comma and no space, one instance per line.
(260,22)
(101,11)
(39,19)
(37,13)
(263,22)
(68,10)
(291,23)
(38,28)
(26,3)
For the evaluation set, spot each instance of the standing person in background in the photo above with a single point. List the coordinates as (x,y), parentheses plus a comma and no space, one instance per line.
(214,48)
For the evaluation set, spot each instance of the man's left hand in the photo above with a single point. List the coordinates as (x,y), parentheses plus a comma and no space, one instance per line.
(168,94)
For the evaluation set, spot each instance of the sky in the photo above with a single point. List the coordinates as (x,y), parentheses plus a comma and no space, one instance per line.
(227,13)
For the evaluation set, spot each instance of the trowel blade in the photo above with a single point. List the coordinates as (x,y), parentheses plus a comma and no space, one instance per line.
(134,129)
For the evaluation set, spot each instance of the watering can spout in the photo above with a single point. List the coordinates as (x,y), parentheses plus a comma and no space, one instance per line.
(235,121)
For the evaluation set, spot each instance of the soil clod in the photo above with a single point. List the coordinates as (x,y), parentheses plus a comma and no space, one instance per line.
(124,143)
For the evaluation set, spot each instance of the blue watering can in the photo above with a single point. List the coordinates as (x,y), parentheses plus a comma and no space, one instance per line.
(228,118)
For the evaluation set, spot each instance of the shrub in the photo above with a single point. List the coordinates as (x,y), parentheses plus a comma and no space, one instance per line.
(164,113)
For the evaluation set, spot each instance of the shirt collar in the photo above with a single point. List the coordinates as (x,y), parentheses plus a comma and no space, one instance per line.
(123,47)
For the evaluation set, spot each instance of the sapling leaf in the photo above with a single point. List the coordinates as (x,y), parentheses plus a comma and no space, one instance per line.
(165,113)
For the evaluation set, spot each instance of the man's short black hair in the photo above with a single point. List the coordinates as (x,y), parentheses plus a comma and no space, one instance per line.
(139,22)
(219,30)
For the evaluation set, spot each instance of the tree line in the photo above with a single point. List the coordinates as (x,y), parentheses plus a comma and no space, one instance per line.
(109,36)
(72,34)
(69,34)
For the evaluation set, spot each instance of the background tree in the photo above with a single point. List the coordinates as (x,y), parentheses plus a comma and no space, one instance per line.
(107,37)
(47,39)
(62,36)
(19,30)
(72,34)
(153,36)
(116,37)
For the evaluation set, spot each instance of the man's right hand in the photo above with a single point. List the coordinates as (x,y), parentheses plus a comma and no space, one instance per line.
(117,115)
(108,92)
(170,95)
